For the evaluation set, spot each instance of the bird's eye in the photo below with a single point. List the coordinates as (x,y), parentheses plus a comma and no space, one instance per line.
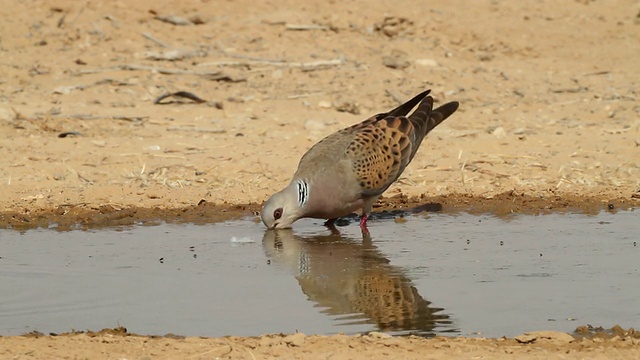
(277,214)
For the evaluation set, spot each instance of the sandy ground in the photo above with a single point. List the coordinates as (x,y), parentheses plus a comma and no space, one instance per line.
(549,119)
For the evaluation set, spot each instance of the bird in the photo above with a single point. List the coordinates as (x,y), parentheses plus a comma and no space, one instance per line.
(351,168)
(353,281)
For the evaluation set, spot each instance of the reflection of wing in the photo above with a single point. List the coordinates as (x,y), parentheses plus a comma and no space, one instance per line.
(351,277)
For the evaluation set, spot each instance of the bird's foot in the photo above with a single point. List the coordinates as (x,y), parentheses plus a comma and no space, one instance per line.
(331,225)
(330,222)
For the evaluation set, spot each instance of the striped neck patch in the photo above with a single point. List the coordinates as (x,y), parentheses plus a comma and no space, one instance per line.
(303,192)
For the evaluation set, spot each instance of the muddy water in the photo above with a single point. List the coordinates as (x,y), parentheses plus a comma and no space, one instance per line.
(440,274)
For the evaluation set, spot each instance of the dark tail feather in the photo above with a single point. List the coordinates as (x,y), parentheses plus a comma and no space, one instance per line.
(441,113)
(404,109)
(425,119)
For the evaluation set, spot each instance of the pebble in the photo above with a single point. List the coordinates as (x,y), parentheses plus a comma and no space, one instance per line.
(349,107)
(396,60)
(64,90)
(294,339)
(313,125)
(324,104)
(378,335)
(499,132)
(265,341)
(7,114)
(536,336)
(426,62)
(400,220)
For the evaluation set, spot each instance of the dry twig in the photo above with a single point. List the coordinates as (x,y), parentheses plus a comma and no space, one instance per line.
(305,66)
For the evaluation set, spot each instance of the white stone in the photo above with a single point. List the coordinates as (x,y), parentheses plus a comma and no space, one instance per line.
(6,114)
(324,104)
(426,62)
(499,132)
(314,125)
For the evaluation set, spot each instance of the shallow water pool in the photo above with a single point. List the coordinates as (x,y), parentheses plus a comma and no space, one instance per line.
(437,274)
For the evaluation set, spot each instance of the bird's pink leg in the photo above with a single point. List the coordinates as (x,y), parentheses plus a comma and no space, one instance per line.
(363,223)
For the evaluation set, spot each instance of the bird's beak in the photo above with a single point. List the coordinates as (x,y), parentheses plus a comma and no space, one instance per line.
(281,225)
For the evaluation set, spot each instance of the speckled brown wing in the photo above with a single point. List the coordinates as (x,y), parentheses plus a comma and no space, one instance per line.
(333,147)
(380,151)
(382,148)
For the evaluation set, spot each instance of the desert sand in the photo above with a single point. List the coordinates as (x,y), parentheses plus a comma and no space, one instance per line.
(549,120)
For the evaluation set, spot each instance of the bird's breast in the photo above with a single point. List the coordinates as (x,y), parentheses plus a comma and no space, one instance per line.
(331,198)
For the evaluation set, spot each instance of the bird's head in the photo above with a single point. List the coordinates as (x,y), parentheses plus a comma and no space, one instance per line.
(282,209)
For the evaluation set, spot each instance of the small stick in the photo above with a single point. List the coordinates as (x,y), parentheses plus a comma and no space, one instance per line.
(167,71)
(217,74)
(157,41)
(168,156)
(298,96)
(513,156)
(240,56)
(300,27)
(187,128)
(184,94)
(598,73)
(436,169)
(462,172)
(310,64)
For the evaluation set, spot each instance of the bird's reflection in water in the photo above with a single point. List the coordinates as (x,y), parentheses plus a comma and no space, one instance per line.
(351,277)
